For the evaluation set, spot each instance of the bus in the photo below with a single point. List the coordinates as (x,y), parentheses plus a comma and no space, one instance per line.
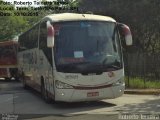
(8,60)
(74,57)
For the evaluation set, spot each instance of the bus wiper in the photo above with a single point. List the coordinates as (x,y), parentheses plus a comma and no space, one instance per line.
(112,66)
(73,67)
(79,63)
(116,64)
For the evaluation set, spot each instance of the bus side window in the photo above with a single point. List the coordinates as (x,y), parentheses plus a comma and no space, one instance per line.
(29,41)
(33,38)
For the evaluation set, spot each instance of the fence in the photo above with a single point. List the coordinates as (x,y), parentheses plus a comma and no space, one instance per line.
(142,66)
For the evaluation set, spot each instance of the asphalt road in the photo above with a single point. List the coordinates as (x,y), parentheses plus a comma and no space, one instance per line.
(27,104)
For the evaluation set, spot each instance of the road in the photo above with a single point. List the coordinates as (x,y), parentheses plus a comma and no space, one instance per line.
(29,104)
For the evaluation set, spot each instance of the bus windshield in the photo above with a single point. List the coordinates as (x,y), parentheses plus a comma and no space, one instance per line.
(87,47)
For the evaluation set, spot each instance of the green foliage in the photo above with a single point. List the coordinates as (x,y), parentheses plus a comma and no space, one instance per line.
(15,25)
(140,83)
(10,25)
(142,16)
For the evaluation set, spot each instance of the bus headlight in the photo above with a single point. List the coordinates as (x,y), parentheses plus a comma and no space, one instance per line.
(62,85)
(119,82)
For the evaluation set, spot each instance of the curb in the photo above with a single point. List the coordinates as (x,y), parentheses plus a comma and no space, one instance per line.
(143,91)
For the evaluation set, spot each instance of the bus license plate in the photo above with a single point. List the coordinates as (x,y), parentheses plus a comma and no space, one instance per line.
(92,94)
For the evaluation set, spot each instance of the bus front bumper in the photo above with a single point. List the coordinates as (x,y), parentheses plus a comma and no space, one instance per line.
(74,95)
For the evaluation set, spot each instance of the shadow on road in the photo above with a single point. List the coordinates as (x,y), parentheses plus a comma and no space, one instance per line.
(149,106)
(91,104)
(61,108)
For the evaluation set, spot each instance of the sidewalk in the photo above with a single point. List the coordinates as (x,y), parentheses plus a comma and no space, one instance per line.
(142,91)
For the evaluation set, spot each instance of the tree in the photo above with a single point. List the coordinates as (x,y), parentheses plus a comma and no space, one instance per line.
(10,25)
(15,25)
(142,16)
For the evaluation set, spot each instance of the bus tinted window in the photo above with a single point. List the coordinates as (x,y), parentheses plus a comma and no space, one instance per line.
(29,40)
(93,42)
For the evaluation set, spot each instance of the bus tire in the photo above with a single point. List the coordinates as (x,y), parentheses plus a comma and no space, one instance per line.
(44,92)
(16,78)
(24,82)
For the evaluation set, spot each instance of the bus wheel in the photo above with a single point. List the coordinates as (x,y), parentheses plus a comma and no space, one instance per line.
(24,83)
(44,93)
(16,78)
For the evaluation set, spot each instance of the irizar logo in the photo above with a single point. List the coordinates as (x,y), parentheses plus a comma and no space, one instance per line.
(71,77)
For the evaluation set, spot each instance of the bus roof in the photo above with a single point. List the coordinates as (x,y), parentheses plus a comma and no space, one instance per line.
(76,17)
(59,17)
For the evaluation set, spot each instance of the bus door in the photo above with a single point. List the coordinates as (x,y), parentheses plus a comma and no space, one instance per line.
(45,60)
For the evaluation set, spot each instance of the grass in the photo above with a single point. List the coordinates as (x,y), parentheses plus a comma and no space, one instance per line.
(139,83)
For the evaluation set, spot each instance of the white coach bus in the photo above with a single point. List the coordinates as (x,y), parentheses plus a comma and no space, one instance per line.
(74,57)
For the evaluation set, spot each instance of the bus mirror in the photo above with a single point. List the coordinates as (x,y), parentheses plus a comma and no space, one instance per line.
(126,33)
(50,35)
